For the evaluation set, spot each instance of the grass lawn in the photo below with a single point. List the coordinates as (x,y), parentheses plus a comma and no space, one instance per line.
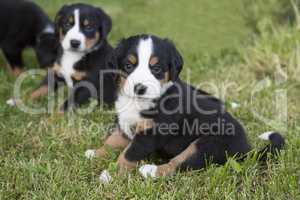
(42,156)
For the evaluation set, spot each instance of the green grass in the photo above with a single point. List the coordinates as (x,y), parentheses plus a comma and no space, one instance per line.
(41,156)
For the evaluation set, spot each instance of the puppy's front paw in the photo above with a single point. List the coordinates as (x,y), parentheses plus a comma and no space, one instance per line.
(105,177)
(11,102)
(90,153)
(148,171)
(235,105)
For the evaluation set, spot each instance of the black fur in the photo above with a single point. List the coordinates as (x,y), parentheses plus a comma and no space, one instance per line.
(94,62)
(22,24)
(218,135)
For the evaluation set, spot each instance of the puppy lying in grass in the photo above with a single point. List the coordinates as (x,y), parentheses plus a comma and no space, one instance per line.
(158,112)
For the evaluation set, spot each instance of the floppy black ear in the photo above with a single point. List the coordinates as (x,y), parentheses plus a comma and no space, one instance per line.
(113,61)
(57,20)
(112,66)
(105,23)
(119,50)
(176,61)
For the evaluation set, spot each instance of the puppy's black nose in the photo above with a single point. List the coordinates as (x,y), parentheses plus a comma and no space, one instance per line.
(75,43)
(140,89)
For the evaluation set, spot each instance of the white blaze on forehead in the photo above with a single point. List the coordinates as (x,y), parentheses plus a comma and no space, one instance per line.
(144,50)
(76,19)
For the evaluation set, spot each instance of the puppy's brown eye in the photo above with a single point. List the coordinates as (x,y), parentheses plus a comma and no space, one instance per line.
(129,67)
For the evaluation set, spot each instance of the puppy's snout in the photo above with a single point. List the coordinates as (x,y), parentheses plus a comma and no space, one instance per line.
(140,89)
(75,44)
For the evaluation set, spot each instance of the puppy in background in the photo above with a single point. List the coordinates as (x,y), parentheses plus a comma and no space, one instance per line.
(82,56)
(24,24)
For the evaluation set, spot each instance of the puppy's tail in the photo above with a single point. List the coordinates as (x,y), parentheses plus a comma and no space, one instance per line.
(276,144)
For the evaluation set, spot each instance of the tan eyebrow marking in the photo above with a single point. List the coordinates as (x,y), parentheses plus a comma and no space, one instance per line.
(153,60)
(132,59)
(71,19)
(86,22)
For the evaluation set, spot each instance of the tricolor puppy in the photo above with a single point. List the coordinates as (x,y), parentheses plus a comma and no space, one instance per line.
(82,58)
(157,112)
(24,24)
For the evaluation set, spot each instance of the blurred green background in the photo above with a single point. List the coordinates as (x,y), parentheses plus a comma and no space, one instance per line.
(197,26)
(230,45)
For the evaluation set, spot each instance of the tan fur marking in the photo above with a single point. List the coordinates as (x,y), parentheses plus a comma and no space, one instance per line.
(16,71)
(86,22)
(124,164)
(56,68)
(8,66)
(166,78)
(143,125)
(132,59)
(114,141)
(121,82)
(153,60)
(90,43)
(71,19)
(41,91)
(171,166)
(77,75)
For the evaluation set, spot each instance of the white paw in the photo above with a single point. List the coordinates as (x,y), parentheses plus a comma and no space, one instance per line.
(148,171)
(11,102)
(105,177)
(90,153)
(266,135)
(235,105)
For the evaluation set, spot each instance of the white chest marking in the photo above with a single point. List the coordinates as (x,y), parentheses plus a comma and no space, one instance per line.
(128,110)
(68,60)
